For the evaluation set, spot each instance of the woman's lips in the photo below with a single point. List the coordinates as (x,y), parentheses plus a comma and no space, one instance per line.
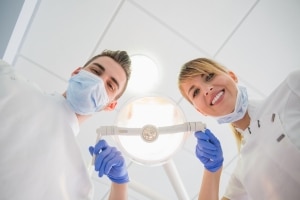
(217,97)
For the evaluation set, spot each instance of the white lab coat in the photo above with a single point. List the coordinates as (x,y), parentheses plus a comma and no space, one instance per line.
(269,162)
(39,155)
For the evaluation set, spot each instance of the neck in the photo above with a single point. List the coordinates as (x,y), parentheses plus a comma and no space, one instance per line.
(82,118)
(242,123)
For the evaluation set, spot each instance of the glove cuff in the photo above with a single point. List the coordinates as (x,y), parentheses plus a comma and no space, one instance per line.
(120,180)
(215,167)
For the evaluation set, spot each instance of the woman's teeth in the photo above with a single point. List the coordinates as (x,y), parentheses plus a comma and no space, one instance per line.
(217,97)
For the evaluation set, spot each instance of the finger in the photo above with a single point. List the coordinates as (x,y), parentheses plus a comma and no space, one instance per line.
(204,160)
(112,160)
(99,174)
(207,153)
(100,160)
(203,144)
(106,155)
(201,135)
(91,150)
(101,144)
(212,137)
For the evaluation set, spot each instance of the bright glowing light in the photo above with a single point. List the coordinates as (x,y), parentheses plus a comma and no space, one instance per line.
(144,74)
(157,111)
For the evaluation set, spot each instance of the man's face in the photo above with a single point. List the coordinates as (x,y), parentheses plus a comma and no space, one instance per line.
(112,74)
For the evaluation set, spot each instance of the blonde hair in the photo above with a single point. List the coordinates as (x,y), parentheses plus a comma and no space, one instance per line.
(238,137)
(203,66)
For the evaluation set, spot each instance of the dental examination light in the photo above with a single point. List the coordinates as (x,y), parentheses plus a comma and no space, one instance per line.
(150,130)
(150,133)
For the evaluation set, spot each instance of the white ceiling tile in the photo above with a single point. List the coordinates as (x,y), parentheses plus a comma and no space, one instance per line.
(263,50)
(63,34)
(205,24)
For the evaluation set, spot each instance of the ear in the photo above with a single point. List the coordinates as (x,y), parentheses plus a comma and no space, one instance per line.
(111,106)
(76,71)
(233,76)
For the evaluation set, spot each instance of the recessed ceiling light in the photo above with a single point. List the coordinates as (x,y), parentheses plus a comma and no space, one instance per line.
(144,74)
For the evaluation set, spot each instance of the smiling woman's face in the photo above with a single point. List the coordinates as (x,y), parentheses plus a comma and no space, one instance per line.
(213,94)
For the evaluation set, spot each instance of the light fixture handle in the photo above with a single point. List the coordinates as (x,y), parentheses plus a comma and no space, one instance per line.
(185,127)
(115,130)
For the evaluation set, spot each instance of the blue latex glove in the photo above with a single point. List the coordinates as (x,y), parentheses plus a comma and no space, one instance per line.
(110,162)
(208,150)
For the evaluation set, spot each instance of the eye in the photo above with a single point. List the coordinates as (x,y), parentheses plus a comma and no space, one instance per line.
(209,76)
(111,86)
(95,71)
(196,92)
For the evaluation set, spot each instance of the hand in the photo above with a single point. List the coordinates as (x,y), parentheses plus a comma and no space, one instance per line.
(110,162)
(208,150)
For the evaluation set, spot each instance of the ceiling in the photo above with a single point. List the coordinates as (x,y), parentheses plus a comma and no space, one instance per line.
(259,40)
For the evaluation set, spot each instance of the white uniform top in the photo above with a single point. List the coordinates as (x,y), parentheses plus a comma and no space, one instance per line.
(39,155)
(269,163)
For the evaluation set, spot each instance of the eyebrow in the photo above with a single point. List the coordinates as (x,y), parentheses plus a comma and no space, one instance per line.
(103,69)
(191,88)
(100,66)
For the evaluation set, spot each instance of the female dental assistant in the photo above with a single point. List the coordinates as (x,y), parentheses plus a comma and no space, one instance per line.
(40,157)
(267,133)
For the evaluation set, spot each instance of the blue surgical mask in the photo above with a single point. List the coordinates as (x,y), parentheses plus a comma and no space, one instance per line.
(241,106)
(86,93)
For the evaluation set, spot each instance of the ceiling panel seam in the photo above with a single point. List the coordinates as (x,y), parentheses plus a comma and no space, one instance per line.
(107,27)
(235,29)
(42,68)
(169,28)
